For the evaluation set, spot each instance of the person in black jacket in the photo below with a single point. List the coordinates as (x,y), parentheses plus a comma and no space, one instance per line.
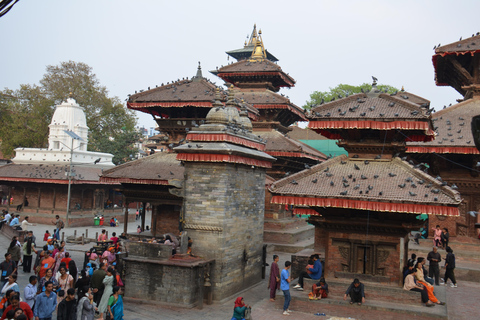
(356,291)
(449,267)
(67,308)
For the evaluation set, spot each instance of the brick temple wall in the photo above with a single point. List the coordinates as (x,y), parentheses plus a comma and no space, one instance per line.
(344,255)
(168,219)
(224,213)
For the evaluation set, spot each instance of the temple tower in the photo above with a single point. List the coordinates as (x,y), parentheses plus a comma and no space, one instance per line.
(224,192)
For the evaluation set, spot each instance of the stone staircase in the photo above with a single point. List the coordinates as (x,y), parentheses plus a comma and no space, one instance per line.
(288,234)
(467,256)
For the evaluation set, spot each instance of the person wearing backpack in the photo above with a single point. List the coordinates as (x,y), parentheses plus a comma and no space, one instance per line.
(58,225)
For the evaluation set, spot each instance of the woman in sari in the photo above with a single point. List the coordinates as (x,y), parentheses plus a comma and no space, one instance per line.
(58,259)
(115,304)
(48,277)
(11,284)
(274,282)
(420,279)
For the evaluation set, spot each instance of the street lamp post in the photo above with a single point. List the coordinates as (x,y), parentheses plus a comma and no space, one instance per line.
(74,136)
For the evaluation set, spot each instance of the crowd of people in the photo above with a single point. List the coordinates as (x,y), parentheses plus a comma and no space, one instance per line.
(56,284)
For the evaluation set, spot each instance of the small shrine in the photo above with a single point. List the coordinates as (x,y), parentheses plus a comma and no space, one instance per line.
(363,205)
(453,155)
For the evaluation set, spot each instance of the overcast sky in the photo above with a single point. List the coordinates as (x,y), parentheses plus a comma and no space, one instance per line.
(135,44)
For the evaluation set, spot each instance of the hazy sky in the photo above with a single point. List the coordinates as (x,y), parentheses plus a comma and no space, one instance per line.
(135,44)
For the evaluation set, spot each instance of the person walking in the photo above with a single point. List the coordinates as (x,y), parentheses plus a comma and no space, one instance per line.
(274,282)
(434,270)
(67,308)
(59,225)
(108,282)
(45,303)
(16,252)
(97,283)
(7,267)
(115,304)
(285,287)
(30,291)
(449,268)
(28,250)
(86,306)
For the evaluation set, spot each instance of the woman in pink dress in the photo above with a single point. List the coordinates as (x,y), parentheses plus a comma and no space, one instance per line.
(437,236)
(58,259)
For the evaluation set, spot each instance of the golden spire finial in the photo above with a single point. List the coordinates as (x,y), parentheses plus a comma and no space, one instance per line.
(70,94)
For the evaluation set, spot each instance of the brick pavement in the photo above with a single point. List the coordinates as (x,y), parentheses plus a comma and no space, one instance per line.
(461,301)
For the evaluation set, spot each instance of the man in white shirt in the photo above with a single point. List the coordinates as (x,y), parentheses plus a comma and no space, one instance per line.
(30,291)
(25,223)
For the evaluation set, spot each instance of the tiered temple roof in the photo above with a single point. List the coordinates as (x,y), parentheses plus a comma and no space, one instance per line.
(372,127)
(247,50)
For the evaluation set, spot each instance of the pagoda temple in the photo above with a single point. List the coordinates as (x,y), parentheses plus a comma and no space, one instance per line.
(453,155)
(364,205)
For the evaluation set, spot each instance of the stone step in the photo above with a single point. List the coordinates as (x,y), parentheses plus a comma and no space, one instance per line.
(291,248)
(289,236)
(284,224)
(334,305)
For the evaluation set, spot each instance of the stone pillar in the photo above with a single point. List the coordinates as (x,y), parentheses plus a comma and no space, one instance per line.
(155,212)
(125,218)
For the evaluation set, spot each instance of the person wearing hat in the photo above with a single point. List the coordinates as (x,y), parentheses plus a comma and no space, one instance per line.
(356,291)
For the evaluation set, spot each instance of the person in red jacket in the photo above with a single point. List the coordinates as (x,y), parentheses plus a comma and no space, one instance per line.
(15,303)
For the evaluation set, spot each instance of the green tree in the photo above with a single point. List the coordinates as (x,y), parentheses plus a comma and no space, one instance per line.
(111,124)
(342,90)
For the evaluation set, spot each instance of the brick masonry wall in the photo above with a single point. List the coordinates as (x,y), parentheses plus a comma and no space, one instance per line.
(230,197)
(167,220)
(336,264)
(163,283)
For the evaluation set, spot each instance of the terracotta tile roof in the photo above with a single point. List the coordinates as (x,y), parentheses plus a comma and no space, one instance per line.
(466,45)
(265,99)
(158,168)
(247,68)
(304,134)
(176,94)
(281,145)
(48,173)
(378,181)
(454,130)
(381,107)
(269,180)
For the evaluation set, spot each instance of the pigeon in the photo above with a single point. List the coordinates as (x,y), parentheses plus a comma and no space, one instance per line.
(356,187)
(435,199)
(171,173)
(412,194)
(344,180)
(472,213)
(391,104)
(350,176)
(421,181)
(345,185)
(378,156)
(454,187)
(380,193)
(355,156)
(370,187)
(436,191)
(391,174)
(331,183)
(366,162)
(356,167)
(326,170)
(307,166)
(409,179)
(428,185)
(402,185)
(343,162)
(328,174)
(343,193)
(375,176)
(314,180)
(413,185)
(294,182)
(363,177)
(97,161)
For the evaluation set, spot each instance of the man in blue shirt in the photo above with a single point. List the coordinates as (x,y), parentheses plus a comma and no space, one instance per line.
(285,287)
(315,272)
(15,221)
(45,303)
(30,291)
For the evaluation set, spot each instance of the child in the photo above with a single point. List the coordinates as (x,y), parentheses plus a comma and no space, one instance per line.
(46,235)
(445,238)
(309,266)
(319,290)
